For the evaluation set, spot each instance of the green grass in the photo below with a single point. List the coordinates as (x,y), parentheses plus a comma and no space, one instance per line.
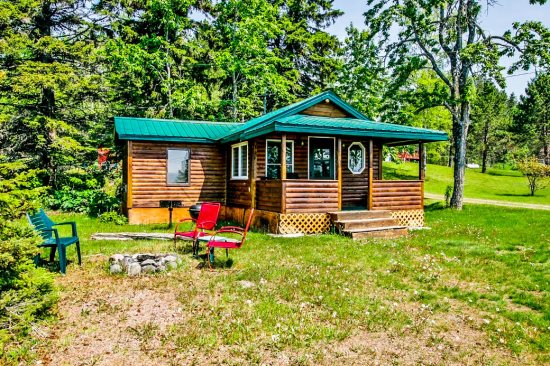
(496,184)
(488,265)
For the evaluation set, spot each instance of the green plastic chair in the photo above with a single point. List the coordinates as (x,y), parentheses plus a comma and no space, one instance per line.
(45,226)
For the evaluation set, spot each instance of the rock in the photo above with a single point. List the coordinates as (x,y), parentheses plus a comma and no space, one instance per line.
(148,268)
(171,265)
(170,258)
(144,257)
(126,261)
(149,262)
(161,268)
(133,269)
(115,268)
(116,258)
(246,284)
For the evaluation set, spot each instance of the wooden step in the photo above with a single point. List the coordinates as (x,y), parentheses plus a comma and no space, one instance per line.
(366,223)
(380,232)
(359,215)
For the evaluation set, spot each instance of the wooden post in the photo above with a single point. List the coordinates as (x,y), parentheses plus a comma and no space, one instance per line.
(283,196)
(129,198)
(254,173)
(283,156)
(339,167)
(371,172)
(421,168)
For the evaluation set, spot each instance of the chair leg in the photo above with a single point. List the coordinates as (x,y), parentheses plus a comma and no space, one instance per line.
(210,256)
(226,253)
(78,253)
(52,253)
(62,259)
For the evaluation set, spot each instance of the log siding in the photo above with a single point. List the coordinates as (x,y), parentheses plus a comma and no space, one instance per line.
(148,175)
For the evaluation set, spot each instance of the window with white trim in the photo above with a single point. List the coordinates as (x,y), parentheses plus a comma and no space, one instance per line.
(239,161)
(273,158)
(356,158)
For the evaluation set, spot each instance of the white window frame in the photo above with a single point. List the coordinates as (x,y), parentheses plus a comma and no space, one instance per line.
(239,161)
(334,153)
(363,165)
(280,142)
(188,166)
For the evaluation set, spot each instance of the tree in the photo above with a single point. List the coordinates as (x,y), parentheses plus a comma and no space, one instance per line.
(446,36)
(537,174)
(48,92)
(532,122)
(491,119)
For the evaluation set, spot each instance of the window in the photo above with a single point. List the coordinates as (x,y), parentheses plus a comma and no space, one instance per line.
(239,161)
(356,158)
(178,166)
(273,158)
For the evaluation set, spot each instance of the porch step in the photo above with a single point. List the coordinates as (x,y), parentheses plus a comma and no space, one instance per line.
(376,232)
(358,224)
(359,215)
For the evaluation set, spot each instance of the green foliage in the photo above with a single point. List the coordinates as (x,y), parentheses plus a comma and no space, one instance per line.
(538,174)
(490,139)
(26,292)
(113,217)
(532,121)
(448,195)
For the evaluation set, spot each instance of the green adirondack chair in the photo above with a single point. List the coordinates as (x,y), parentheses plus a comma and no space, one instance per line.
(45,226)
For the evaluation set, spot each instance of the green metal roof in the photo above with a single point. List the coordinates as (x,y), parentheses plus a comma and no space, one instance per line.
(287,119)
(300,123)
(148,129)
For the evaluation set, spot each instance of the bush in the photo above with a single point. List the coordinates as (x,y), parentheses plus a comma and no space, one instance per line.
(113,217)
(92,191)
(26,293)
(537,174)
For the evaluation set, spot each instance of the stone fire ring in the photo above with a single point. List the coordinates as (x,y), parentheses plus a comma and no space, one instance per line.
(136,264)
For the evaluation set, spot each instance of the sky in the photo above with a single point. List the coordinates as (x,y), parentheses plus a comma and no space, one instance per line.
(497,20)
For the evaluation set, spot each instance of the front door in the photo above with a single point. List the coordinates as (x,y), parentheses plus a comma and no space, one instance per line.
(321,158)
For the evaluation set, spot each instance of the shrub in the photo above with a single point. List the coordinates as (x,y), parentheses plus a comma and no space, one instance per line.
(113,217)
(26,293)
(537,174)
(448,195)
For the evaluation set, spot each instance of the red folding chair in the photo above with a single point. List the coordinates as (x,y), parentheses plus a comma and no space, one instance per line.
(217,241)
(208,216)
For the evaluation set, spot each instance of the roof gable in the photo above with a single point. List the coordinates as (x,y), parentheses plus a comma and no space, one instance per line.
(292,109)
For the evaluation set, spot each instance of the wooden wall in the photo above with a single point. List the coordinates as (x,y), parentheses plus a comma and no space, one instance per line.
(397,195)
(269,194)
(148,175)
(325,109)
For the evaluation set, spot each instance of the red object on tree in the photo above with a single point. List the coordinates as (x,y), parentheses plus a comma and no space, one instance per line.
(102,155)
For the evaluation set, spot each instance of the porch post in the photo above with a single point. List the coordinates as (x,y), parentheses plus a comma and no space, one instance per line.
(283,156)
(253,174)
(339,167)
(371,172)
(421,167)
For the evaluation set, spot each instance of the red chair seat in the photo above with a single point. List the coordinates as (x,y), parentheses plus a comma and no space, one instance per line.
(188,235)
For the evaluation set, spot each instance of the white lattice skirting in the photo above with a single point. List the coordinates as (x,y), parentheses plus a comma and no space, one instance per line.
(409,218)
(306,223)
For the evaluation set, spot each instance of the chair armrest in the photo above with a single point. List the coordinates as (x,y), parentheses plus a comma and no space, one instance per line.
(206,222)
(73,226)
(181,221)
(54,231)
(235,228)
(228,229)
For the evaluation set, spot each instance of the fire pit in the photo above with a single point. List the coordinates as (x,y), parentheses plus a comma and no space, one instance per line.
(136,264)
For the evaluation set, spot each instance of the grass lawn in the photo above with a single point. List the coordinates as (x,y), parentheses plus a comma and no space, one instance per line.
(502,185)
(472,290)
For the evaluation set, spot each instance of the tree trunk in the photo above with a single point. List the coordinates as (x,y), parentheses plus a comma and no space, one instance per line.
(460,132)
(485,151)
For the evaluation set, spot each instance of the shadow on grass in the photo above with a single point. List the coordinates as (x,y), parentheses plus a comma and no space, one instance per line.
(436,206)
(514,195)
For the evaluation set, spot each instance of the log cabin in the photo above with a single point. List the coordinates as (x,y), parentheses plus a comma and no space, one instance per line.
(306,168)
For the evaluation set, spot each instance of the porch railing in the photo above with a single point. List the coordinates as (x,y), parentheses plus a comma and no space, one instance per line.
(397,194)
(297,195)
